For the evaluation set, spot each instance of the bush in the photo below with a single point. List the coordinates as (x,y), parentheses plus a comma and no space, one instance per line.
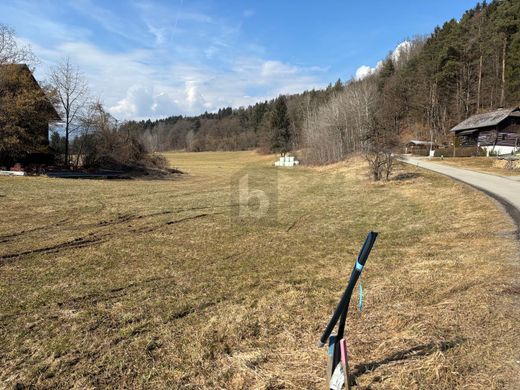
(106,145)
(154,161)
(111,149)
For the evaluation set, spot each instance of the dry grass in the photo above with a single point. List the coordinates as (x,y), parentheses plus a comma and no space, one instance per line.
(154,284)
(480,164)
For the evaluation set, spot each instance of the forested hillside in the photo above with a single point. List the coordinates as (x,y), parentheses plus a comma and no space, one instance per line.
(466,66)
(234,129)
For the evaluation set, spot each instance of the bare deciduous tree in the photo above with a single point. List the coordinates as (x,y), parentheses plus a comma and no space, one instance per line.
(353,120)
(380,144)
(150,140)
(11,52)
(336,128)
(72,92)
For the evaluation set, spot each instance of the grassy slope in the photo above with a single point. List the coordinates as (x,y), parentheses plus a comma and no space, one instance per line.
(480,164)
(163,288)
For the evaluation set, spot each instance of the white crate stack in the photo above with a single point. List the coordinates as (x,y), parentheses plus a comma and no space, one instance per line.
(286,161)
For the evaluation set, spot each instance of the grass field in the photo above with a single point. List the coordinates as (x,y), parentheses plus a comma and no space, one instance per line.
(480,164)
(170,284)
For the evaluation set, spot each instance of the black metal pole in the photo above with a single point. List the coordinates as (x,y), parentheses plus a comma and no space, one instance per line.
(342,308)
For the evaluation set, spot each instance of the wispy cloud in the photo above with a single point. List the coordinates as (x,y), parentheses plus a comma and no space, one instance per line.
(171,59)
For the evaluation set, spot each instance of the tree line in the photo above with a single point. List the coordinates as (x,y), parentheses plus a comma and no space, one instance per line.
(464,67)
(269,126)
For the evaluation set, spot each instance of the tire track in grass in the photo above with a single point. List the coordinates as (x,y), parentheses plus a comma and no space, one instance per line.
(96,238)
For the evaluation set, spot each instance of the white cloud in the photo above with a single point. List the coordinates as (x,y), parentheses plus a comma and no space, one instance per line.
(364,71)
(169,73)
(193,96)
(138,100)
(133,89)
(403,49)
(277,68)
(189,89)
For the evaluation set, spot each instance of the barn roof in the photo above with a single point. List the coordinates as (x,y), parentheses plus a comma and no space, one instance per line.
(19,68)
(488,119)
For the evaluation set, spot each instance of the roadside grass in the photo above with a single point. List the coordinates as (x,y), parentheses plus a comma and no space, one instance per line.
(163,284)
(480,164)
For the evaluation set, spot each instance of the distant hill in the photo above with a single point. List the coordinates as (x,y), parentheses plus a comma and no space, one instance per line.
(465,66)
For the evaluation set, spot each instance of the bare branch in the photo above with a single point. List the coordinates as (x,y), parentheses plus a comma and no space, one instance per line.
(72,90)
(11,52)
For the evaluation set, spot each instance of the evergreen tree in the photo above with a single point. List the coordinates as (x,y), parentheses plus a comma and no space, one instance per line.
(338,86)
(57,143)
(280,125)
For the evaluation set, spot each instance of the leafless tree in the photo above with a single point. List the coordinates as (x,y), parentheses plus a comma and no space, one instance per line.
(88,123)
(11,52)
(337,127)
(72,92)
(380,143)
(190,135)
(150,139)
(322,132)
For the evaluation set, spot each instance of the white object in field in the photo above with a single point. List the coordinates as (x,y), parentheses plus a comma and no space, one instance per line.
(12,173)
(286,161)
(432,153)
(338,378)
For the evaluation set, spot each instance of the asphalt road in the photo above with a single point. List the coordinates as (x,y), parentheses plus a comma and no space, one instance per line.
(504,189)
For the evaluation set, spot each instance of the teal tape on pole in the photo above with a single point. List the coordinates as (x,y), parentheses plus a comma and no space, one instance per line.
(360,296)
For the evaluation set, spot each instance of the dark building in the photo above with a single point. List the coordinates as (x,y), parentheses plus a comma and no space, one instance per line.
(421,146)
(25,115)
(497,131)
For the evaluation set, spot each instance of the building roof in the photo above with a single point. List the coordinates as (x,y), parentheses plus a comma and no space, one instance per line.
(20,68)
(488,119)
(417,142)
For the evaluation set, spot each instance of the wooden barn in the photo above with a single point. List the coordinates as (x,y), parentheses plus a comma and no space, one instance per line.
(25,116)
(413,146)
(497,131)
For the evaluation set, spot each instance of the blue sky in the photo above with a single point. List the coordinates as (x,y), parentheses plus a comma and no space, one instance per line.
(158,58)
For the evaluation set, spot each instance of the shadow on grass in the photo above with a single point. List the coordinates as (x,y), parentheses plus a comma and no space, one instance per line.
(417,351)
(406,176)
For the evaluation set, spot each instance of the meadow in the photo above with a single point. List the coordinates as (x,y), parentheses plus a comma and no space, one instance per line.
(481,164)
(177,284)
